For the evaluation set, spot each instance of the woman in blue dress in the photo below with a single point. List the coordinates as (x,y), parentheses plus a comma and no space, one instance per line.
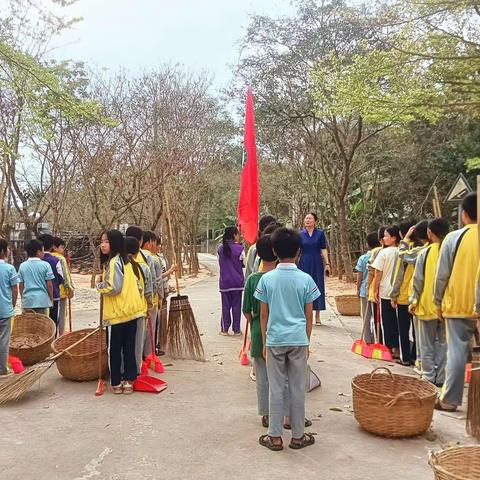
(314,259)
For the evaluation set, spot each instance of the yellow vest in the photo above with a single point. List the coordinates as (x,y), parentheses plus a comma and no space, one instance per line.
(128,304)
(371,289)
(426,309)
(459,298)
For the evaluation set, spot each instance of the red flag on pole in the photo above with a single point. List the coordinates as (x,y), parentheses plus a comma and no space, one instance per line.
(248,201)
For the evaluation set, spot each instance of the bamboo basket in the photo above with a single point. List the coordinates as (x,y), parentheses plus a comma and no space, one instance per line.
(392,405)
(457,463)
(348,305)
(81,362)
(33,323)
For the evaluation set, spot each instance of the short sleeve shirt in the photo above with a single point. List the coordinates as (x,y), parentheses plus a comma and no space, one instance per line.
(286,290)
(385,263)
(252,305)
(34,274)
(362,267)
(8,279)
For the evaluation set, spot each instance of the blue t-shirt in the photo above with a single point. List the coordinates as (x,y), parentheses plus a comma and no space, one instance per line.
(8,279)
(286,290)
(34,274)
(362,267)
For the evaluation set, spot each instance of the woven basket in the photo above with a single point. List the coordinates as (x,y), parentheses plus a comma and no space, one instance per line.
(33,323)
(457,463)
(393,405)
(81,363)
(348,305)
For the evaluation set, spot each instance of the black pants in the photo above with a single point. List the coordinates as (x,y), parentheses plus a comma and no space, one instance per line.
(390,324)
(404,325)
(53,313)
(122,345)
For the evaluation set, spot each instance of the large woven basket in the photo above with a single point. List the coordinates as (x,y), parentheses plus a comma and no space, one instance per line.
(393,405)
(30,323)
(81,362)
(348,305)
(457,463)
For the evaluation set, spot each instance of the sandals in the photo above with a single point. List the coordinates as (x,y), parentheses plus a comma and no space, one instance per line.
(307,440)
(127,388)
(267,441)
(439,405)
(117,389)
(308,423)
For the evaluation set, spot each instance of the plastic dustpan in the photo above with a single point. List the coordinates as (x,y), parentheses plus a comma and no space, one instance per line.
(16,364)
(154,363)
(147,383)
(144,368)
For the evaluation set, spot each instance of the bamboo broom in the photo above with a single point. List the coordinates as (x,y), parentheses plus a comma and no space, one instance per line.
(183,337)
(473,409)
(15,387)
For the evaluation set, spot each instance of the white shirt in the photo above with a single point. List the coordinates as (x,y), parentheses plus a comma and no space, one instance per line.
(385,263)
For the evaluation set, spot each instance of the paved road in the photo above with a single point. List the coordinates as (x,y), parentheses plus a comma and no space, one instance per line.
(205,425)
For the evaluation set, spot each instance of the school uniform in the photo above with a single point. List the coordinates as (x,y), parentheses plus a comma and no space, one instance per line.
(123,305)
(455,286)
(34,274)
(57,270)
(385,263)
(362,268)
(65,290)
(231,285)
(431,337)
(286,290)
(373,306)
(8,279)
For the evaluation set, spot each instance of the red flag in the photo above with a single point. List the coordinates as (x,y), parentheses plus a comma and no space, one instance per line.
(248,201)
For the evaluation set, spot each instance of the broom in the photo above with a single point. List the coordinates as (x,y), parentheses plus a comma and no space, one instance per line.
(18,385)
(243,355)
(183,337)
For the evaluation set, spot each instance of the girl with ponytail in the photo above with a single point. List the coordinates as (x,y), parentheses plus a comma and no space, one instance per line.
(230,258)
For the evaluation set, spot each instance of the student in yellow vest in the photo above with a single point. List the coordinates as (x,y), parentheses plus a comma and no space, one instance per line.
(122,307)
(66,288)
(455,286)
(431,338)
(414,237)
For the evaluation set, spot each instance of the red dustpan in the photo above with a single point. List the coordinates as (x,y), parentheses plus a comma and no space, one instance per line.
(147,383)
(380,351)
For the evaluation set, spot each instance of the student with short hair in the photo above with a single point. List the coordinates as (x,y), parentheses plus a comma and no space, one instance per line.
(431,338)
(455,285)
(66,288)
(362,280)
(286,315)
(8,300)
(251,263)
(36,280)
(383,265)
(48,245)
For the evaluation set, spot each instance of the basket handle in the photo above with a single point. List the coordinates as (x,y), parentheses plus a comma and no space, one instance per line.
(381,368)
(410,395)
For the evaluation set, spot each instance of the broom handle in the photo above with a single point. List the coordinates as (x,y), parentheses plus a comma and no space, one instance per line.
(245,336)
(59,354)
(172,244)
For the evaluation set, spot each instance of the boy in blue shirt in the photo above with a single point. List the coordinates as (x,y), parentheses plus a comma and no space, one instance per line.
(36,280)
(286,315)
(8,300)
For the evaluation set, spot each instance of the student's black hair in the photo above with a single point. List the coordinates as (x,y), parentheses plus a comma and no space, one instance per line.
(32,247)
(264,248)
(117,246)
(133,247)
(47,241)
(286,242)
(149,236)
(440,227)
(134,231)
(271,228)
(421,234)
(228,236)
(394,231)
(264,222)
(405,225)
(314,215)
(3,246)
(469,205)
(57,242)
(372,240)
(381,232)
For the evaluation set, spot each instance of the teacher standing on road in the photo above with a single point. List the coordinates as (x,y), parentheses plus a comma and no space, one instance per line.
(314,259)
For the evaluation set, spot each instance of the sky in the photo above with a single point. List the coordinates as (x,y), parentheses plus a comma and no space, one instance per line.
(139,35)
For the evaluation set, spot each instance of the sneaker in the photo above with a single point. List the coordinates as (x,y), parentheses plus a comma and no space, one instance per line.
(237,334)
(225,334)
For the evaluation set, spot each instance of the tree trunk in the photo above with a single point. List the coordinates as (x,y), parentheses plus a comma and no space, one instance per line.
(342,222)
